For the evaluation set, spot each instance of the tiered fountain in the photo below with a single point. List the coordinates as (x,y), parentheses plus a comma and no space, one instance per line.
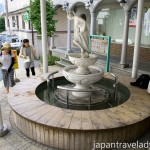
(82,74)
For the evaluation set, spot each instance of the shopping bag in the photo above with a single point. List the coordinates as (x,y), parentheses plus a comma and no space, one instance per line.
(26,60)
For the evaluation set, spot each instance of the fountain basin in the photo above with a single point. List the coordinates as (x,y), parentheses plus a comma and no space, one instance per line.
(82,81)
(83,63)
(69,129)
(101,99)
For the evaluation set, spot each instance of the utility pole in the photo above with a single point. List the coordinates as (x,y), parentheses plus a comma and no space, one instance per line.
(7,21)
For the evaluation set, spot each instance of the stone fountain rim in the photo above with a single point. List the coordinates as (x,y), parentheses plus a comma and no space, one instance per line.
(78,56)
(101,71)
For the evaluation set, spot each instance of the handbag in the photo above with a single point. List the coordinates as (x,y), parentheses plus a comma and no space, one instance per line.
(27,59)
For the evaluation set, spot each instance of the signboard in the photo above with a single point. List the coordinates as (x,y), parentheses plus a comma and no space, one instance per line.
(99,46)
(26,16)
(132,23)
(16,66)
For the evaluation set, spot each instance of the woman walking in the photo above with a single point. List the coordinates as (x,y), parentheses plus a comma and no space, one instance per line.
(28,53)
(7,62)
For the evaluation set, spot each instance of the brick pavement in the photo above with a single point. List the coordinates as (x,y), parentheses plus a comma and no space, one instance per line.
(15,139)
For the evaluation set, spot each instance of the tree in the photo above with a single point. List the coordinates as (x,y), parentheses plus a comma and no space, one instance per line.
(2,24)
(35,16)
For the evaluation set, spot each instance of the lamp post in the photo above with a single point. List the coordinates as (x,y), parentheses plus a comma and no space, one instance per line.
(88,4)
(122,3)
(65,6)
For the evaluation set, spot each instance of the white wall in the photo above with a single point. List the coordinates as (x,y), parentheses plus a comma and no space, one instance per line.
(24,33)
(17,4)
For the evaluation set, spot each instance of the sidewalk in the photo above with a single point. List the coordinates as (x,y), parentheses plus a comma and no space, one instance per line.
(115,61)
(15,139)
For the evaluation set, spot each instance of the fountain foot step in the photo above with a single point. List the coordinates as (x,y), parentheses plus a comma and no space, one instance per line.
(64,62)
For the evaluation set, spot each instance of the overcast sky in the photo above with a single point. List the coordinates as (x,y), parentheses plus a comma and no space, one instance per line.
(1,1)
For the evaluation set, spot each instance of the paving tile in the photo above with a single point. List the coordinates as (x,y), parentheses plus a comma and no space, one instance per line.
(32,147)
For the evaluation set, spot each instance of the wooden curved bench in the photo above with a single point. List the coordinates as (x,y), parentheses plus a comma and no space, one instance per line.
(73,129)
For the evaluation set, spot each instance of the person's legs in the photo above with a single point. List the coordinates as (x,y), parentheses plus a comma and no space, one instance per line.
(33,71)
(7,90)
(11,78)
(32,68)
(27,66)
(5,79)
(27,72)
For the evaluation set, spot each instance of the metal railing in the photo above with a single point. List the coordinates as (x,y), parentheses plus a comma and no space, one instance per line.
(78,90)
(50,76)
(115,85)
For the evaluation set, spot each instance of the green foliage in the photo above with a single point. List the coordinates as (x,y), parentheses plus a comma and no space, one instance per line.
(51,60)
(2,24)
(35,16)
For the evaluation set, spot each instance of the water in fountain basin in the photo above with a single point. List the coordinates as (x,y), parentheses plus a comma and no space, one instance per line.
(99,100)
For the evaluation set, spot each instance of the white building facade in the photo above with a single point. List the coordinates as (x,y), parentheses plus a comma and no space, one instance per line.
(17,26)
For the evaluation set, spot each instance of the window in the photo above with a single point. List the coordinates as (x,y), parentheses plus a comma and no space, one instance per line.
(17,20)
(23,23)
(110,22)
(8,24)
(15,40)
(13,21)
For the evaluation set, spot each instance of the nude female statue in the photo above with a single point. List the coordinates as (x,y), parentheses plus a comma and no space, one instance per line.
(80,34)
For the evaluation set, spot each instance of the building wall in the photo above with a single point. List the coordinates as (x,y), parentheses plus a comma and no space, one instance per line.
(14,5)
(61,28)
